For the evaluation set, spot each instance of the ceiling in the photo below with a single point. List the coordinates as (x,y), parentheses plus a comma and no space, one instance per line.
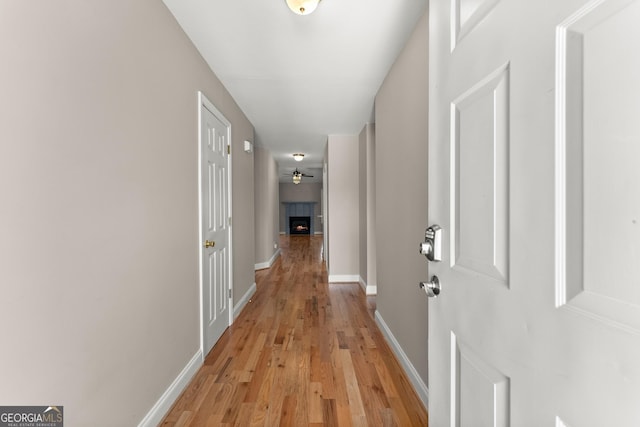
(300,78)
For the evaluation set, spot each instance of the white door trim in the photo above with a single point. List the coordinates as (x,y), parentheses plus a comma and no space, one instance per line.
(203,101)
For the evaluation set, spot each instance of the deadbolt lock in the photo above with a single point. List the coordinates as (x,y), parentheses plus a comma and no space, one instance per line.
(432,245)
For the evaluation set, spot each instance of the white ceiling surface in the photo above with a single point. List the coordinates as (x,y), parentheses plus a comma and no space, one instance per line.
(300,78)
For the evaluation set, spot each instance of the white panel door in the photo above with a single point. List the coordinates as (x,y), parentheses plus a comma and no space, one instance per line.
(214,140)
(534,176)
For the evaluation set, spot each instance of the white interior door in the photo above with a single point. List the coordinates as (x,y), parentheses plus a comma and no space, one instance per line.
(534,177)
(215,230)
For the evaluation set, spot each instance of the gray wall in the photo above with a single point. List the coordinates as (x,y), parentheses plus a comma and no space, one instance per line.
(267,207)
(99,219)
(366,149)
(401,197)
(325,208)
(303,192)
(343,206)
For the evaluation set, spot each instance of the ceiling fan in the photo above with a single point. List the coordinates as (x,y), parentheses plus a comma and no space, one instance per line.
(296,175)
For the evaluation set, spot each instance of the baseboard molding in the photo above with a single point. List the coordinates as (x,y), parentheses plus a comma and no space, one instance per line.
(363,284)
(244,300)
(268,264)
(369,290)
(343,278)
(410,370)
(166,401)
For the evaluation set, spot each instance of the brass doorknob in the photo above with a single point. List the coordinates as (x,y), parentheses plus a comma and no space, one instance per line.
(209,243)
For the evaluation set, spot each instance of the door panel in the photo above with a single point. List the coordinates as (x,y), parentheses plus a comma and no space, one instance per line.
(600,173)
(480,393)
(534,147)
(466,15)
(479,178)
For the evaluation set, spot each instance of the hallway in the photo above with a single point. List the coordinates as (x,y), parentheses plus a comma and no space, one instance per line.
(302,353)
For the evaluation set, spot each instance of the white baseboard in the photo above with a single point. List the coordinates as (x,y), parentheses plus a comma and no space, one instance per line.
(269,263)
(363,284)
(369,290)
(343,278)
(410,370)
(166,401)
(244,300)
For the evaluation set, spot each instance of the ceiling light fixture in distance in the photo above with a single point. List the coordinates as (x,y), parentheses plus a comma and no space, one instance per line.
(302,7)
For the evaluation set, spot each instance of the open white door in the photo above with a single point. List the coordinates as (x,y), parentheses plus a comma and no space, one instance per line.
(215,230)
(534,177)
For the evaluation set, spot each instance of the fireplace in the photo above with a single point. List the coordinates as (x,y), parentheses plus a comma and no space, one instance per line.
(298,211)
(299,225)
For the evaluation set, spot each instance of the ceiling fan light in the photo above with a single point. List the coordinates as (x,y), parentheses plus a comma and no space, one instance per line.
(297,178)
(298,157)
(302,7)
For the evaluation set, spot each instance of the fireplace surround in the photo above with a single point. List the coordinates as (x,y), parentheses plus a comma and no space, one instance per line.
(300,211)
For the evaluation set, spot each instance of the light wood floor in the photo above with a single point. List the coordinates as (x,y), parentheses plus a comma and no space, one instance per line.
(302,353)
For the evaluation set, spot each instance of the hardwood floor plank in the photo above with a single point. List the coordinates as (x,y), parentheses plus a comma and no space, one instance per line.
(386,380)
(201,397)
(302,353)
(288,413)
(344,415)
(388,419)
(223,402)
(216,399)
(327,378)
(254,356)
(367,338)
(233,408)
(244,416)
(353,391)
(225,371)
(315,403)
(330,413)
(261,409)
(259,375)
(185,419)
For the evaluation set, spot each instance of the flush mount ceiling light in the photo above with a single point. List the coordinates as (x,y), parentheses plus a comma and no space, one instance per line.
(302,7)
(298,157)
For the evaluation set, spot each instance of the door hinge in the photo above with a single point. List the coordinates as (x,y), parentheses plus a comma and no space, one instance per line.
(230,293)
(228,148)
(229,220)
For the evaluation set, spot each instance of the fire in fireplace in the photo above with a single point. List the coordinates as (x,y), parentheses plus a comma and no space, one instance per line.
(299,225)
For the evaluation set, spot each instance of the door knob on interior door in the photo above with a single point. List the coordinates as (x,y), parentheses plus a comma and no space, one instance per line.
(209,243)
(432,288)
